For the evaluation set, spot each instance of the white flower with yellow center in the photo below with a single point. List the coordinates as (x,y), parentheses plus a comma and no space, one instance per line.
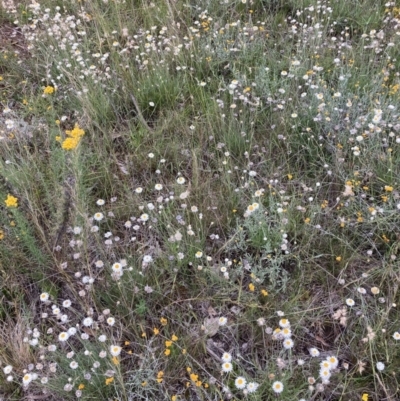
(115,350)
(27,379)
(277,387)
(240,382)
(227,367)
(98,216)
(63,336)
(44,296)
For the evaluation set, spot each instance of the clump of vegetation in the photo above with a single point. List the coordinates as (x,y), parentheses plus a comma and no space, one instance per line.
(199,200)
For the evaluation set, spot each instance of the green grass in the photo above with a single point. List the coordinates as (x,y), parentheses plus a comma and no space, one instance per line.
(239,160)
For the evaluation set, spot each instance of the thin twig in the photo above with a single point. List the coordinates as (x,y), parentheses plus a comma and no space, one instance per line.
(389,397)
(140,115)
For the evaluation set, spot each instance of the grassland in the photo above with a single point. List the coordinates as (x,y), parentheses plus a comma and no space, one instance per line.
(199,200)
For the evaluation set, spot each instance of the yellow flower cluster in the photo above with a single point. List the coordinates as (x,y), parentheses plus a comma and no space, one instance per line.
(160,376)
(194,378)
(73,139)
(168,344)
(48,90)
(11,201)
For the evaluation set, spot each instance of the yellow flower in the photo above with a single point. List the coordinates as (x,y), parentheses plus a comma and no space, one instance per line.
(11,201)
(115,360)
(70,143)
(1,234)
(388,188)
(77,132)
(168,343)
(144,384)
(48,90)
(163,321)
(264,293)
(364,397)
(174,398)
(156,331)
(289,176)
(251,287)
(109,380)
(194,377)
(167,352)
(74,137)
(81,386)
(338,258)
(174,337)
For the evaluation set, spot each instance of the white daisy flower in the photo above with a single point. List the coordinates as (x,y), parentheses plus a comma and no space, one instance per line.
(314,352)
(44,296)
(67,303)
(252,387)
(144,217)
(240,382)
(27,379)
(325,374)
(147,259)
(88,321)
(117,267)
(63,336)
(227,367)
(333,361)
(98,216)
(288,343)
(7,369)
(277,387)
(71,331)
(115,350)
(325,365)
(226,357)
